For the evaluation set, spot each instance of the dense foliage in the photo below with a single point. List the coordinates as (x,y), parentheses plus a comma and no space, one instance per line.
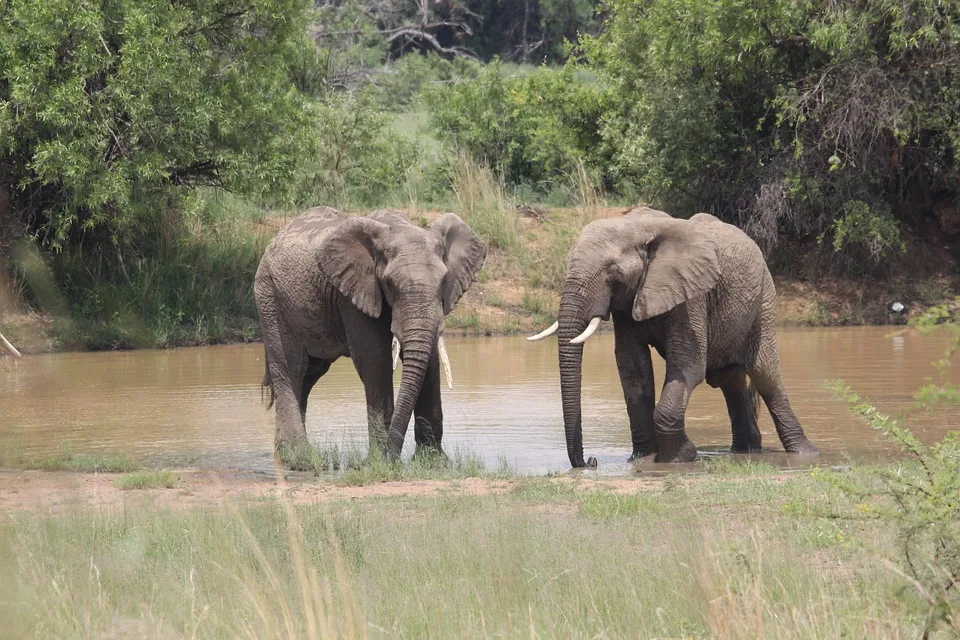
(109,111)
(367,31)
(532,127)
(796,117)
(834,123)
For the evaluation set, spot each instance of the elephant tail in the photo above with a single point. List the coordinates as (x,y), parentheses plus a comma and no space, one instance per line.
(267,382)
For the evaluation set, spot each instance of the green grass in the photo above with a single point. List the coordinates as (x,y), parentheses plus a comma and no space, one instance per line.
(66,460)
(161,479)
(738,466)
(711,558)
(350,465)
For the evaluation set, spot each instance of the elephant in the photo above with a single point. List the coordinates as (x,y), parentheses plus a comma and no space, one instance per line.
(330,285)
(9,348)
(699,292)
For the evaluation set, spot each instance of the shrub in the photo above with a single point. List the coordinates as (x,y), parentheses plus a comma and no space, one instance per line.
(788,118)
(359,160)
(921,495)
(111,111)
(532,129)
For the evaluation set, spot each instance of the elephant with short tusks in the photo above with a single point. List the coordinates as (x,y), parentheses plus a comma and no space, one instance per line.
(330,285)
(700,293)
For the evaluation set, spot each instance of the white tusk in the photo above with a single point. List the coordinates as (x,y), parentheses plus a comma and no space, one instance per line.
(445,359)
(9,347)
(546,333)
(395,349)
(589,331)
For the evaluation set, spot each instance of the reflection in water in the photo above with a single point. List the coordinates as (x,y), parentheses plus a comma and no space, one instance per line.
(177,406)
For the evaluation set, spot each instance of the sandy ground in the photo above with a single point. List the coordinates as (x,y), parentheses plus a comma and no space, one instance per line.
(59,492)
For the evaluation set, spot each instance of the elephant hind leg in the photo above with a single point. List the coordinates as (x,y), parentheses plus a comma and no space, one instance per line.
(286,366)
(742,405)
(315,370)
(765,376)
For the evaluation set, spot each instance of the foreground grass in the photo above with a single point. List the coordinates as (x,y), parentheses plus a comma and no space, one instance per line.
(350,465)
(162,479)
(715,556)
(66,460)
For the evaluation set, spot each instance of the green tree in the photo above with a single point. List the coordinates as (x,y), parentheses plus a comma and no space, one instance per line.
(801,119)
(111,111)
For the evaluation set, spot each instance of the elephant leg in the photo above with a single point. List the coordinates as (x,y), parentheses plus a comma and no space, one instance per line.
(428,411)
(286,366)
(741,399)
(673,445)
(636,378)
(765,376)
(315,370)
(686,356)
(370,342)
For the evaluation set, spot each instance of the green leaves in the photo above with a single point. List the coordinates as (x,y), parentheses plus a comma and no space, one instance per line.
(109,110)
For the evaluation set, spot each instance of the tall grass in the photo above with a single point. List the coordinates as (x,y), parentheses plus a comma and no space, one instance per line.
(546,265)
(482,201)
(194,285)
(720,559)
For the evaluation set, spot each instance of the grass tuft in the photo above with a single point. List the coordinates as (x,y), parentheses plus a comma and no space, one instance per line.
(161,479)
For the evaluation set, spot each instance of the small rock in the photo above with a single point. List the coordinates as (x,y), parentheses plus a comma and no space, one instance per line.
(897,307)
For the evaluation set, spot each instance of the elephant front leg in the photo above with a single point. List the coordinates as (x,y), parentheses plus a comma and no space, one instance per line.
(376,374)
(673,445)
(428,411)
(636,378)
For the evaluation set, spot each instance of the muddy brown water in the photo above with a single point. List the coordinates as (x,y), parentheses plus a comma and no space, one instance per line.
(203,407)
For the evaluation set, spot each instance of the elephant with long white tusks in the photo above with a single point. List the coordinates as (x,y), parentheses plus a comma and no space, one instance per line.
(9,348)
(700,293)
(441,348)
(373,288)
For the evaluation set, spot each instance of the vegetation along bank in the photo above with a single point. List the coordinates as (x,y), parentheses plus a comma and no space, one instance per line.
(151,150)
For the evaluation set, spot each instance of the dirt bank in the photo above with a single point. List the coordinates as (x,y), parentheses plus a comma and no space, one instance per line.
(61,492)
(517,289)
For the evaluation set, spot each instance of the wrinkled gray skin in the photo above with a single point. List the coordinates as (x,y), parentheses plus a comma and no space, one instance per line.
(330,285)
(700,293)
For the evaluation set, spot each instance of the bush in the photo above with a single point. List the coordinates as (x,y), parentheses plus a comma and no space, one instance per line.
(111,111)
(359,160)
(921,495)
(790,119)
(533,129)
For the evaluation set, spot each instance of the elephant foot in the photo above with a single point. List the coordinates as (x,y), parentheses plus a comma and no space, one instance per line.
(802,447)
(431,452)
(642,457)
(591,463)
(297,455)
(750,447)
(685,452)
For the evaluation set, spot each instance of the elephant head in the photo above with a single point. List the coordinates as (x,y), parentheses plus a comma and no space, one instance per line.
(644,262)
(419,273)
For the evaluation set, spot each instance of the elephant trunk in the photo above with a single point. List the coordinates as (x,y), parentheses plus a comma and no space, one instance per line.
(576,305)
(418,343)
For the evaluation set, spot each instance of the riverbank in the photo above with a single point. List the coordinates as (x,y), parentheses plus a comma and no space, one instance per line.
(221,554)
(198,294)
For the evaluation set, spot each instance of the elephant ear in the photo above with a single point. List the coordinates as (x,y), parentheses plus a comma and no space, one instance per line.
(682,263)
(463,254)
(348,257)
